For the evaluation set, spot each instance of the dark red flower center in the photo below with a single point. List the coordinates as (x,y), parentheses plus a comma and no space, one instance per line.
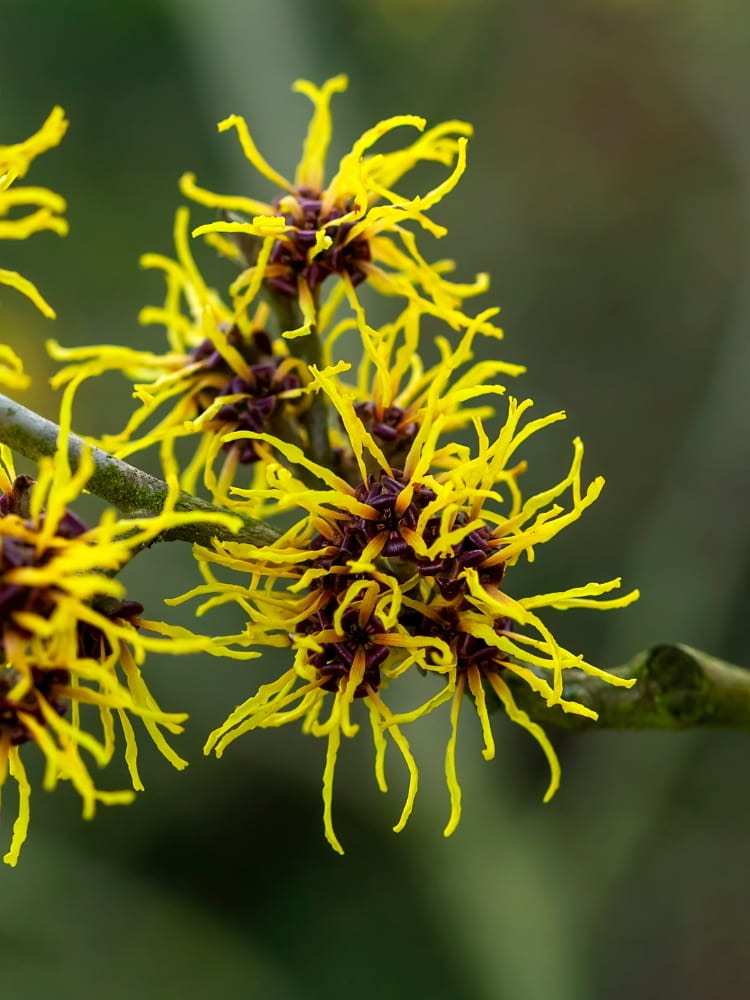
(344,256)
(15,553)
(336,659)
(14,711)
(260,388)
(469,650)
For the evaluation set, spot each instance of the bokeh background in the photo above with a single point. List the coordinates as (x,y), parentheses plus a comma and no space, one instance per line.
(608,195)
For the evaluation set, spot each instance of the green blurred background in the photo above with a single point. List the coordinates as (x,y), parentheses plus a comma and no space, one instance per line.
(607,193)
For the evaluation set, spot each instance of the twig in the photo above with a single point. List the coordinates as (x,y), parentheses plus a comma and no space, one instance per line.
(133,492)
(676,688)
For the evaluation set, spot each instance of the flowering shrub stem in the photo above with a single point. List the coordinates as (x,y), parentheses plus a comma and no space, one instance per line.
(309,349)
(676,688)
(132,491)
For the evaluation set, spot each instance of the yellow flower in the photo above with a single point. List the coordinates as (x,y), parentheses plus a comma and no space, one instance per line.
(220,372)
(353,225)
(341,628)
(394,388)
(15,161)
(403,566)
(71,643)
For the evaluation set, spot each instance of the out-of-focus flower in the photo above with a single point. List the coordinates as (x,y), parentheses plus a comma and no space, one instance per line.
(12,375)
(220,372)
(47,212)
(71,643)
(353,225)
(395,567)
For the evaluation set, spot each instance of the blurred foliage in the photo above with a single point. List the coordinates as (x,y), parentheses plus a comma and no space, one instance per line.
(607,193)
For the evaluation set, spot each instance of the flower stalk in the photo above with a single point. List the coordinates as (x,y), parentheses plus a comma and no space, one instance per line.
(310,350)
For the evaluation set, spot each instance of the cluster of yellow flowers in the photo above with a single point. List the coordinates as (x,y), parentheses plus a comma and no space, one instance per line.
(400,491)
